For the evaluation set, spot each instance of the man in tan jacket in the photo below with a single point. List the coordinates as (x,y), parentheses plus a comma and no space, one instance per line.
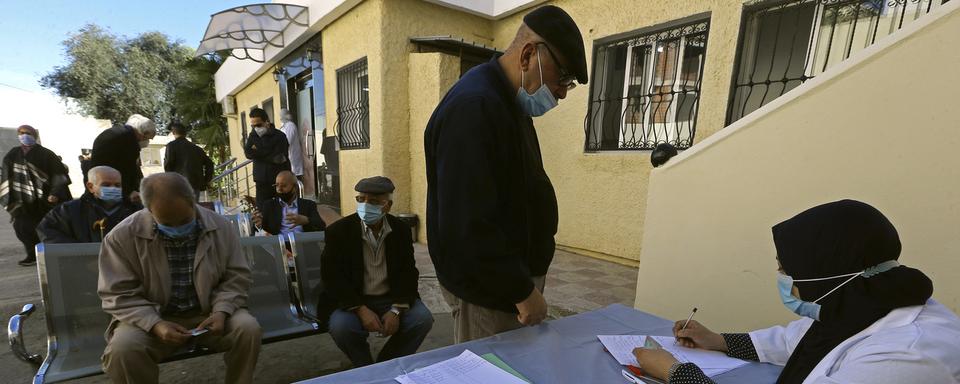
(168,272)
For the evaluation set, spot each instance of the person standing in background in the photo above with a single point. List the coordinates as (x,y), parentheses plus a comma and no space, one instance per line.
(267,147)
(34,180)
(295,152)
(119,148)
(188,159)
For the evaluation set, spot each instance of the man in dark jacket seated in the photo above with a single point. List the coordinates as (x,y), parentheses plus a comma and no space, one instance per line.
(288,213)
(90,218)
(370,272)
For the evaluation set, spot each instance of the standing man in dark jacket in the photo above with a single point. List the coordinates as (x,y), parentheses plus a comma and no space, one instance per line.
(34,180)
(288,213)
(188,159)
(119,148)
(491,209)
(90,218)
(267,147)
(369,270)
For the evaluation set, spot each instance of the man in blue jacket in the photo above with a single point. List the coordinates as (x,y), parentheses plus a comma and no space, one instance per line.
(91,217)
(491,209)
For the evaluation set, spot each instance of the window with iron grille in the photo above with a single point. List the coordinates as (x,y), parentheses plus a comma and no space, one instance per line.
(646,89)
(353,109)
(785,43)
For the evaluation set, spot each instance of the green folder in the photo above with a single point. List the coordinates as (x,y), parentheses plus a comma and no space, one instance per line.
(493,359)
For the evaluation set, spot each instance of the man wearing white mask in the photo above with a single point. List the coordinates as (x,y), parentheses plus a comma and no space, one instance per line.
(119,148)
(34,181)
(92,216)
(267,147)
(295,151)
(491,209)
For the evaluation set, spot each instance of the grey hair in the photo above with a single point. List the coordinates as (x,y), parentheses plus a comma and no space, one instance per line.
(285,115)
(524,36)
(142,124)
(93,175)
(166,185)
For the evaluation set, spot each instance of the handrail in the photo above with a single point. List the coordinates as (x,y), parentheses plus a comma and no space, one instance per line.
(232,170)
(225,163)
(15,336)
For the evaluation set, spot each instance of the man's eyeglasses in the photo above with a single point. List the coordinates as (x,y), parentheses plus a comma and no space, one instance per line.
(371,200)
(567,80)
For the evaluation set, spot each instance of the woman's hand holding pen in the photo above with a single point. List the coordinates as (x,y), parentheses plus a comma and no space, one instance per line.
(695,335)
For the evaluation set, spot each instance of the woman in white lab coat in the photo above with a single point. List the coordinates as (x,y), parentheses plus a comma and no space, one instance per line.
(866,318)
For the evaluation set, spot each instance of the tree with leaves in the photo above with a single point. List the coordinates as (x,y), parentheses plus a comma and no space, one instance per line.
(196,106)
(112,77)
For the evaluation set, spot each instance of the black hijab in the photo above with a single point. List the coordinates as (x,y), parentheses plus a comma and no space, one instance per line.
(834,239)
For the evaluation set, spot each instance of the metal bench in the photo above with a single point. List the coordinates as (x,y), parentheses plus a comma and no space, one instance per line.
(76,323)
(307,248)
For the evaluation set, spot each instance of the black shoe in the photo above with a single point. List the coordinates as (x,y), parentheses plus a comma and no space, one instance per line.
(28,262)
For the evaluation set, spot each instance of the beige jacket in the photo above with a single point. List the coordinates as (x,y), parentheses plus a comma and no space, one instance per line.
(134,282)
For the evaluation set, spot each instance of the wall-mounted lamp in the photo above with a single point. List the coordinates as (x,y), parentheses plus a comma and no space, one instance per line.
(278,73)
(312,55)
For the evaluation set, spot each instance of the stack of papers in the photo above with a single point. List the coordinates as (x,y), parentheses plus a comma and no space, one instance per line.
(468,368)
(712,363)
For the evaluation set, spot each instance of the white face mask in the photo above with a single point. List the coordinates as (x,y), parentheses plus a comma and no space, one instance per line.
(260,130)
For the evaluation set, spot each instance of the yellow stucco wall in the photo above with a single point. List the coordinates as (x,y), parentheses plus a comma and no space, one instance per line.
(862,130)
(381,31)
(354,36)
(430,76)
(602,196)
(402,20)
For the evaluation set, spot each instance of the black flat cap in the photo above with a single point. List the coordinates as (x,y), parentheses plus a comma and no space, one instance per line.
(377,185)
(559,30)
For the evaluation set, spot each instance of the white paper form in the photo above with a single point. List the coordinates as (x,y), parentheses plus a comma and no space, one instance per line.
(712,363)
(468,368)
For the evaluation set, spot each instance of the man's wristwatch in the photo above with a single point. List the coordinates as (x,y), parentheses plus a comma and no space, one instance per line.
(395,310)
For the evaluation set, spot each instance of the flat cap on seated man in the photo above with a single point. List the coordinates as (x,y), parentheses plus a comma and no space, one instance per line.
(369,270)
(91,217)
(166,271)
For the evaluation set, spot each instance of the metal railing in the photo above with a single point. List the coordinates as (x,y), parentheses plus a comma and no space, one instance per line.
(785,43)
(646,89)
(234,183)
(353,109)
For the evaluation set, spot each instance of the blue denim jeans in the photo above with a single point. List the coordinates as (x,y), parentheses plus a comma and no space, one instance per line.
(348,333)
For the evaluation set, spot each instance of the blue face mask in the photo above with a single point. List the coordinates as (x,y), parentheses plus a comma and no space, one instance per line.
(179,231)
(27,140)
(370,213)
(812,309)
(539,102)
(111,194)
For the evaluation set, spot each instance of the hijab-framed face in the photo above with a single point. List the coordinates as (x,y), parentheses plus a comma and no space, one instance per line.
(836,239)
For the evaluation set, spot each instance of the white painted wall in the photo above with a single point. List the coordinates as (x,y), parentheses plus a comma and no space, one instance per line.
(862,130)
(62,128)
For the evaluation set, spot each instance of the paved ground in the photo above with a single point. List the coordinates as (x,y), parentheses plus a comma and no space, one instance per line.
(575,284)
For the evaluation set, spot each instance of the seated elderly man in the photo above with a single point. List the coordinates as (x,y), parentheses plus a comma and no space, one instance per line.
(287,213)
(90,218)
(173,274)
(369,270)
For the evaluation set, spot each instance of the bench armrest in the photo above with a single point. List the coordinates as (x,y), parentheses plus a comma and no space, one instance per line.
(15,336)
